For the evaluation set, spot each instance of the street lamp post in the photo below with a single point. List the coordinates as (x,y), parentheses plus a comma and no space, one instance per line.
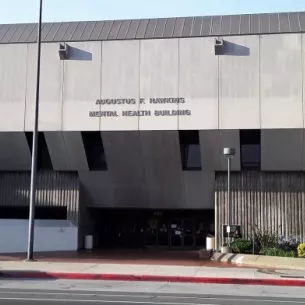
(30,256)
(229,153)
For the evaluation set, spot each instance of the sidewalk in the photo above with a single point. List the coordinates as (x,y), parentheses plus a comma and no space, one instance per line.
(115,256)
(150,272)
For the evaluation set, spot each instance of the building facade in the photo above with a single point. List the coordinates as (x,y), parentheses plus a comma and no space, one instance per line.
(133,119)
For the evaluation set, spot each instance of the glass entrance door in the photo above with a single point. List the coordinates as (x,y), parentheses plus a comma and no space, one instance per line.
(182,233)
(163,231)
(188,233)
(176,233)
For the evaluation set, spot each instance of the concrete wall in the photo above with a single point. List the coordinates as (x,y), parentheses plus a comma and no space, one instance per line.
(51,88)
(120,78)
(257,83)
(144,171)
(53,189)
(144,168)
(14,151)
(281,81)
(271,201)
(199,83)
(50,235)
(13,86)
(282,149)
(239,90)
(81,86)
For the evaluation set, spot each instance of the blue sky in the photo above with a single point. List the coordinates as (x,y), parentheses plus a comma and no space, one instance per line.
(16,11)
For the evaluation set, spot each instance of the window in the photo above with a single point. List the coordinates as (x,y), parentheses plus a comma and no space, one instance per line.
(43,157)
(22,212)
(250,148)
(94,150)
(190,149)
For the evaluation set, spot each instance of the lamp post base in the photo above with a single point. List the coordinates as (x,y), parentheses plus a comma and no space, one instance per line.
(226,250)
(30,260)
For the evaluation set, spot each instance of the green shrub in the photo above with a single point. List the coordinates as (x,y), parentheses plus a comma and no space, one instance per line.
(278,252)
(290,243)
(264,239)
(241,246)
(301,250)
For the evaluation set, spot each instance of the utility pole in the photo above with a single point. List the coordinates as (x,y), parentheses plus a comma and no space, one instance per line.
(30,253)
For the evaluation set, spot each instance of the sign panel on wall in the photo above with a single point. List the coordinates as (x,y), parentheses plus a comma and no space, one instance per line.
(235,231)
(139,107)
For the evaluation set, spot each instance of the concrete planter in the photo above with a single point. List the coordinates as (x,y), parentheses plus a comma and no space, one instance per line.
(225,250)
(255,261)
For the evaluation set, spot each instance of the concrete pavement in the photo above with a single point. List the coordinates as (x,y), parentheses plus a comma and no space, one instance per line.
(162,273)
(121,256)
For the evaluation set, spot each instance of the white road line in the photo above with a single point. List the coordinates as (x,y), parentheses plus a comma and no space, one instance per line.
(198,297)
(256,300)
(53,293)
(97,301)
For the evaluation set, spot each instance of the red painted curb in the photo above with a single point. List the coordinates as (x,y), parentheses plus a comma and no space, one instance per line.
(150,278)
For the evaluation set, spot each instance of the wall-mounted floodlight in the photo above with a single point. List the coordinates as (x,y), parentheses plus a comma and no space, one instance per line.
(219,46)
(63,51)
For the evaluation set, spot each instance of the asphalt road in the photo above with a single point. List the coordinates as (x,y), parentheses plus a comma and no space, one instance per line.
(55,297)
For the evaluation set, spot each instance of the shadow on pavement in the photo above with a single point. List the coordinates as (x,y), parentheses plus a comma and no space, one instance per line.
(25,275)
(118,256)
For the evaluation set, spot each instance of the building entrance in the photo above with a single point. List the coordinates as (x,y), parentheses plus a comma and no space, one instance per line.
(182,233)
(131,228)
(178,232)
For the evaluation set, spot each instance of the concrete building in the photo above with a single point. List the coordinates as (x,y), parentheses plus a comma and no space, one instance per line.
(134,116)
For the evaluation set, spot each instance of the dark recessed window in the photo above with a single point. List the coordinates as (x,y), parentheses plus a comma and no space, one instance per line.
(22,212)
(43,157)
(250,148)
(190,149)
(94,149)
